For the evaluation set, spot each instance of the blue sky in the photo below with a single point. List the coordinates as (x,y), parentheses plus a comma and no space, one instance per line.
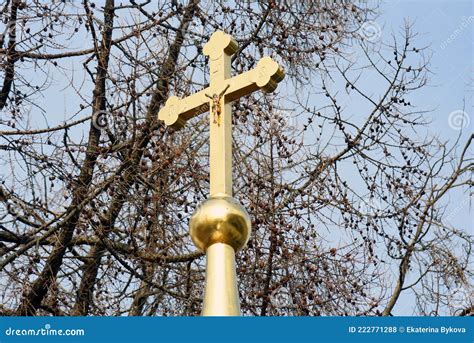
(446,27)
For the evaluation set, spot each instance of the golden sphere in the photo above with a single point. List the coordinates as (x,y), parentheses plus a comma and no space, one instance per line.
(220,219)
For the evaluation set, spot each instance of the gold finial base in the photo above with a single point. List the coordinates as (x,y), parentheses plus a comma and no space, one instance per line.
(220,226)
(220,219)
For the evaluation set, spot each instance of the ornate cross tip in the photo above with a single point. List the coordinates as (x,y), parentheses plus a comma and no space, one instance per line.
(218,43)
(267,74)
(170,113)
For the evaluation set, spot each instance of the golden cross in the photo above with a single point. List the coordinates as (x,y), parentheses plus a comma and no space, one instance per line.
(222,91)
(220,226)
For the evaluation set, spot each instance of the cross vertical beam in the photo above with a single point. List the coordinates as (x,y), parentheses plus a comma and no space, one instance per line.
(220,134)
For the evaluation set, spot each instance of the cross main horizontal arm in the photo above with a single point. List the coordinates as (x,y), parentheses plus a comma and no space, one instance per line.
(265,76)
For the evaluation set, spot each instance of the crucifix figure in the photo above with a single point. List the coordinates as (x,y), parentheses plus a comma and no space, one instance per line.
(220,226)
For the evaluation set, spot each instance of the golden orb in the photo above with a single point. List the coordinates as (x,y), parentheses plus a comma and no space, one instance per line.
(220,219)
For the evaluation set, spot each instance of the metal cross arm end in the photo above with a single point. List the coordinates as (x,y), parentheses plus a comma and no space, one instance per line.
(267,74)
(170,113)
(219,43)
(177,111)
